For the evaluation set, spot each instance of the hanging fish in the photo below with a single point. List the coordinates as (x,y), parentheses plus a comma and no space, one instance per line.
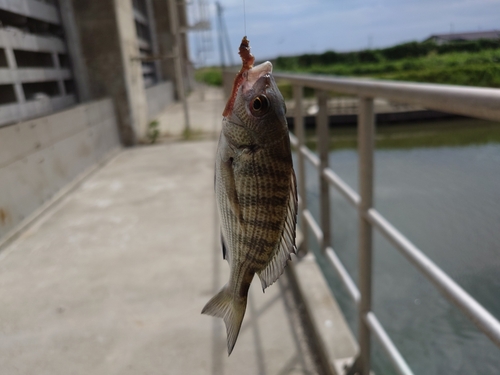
(255,188)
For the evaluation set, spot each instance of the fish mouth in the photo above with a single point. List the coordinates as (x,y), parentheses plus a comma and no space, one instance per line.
(253,75)
(247,76)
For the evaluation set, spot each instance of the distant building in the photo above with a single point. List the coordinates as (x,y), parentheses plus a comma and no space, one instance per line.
(463,37)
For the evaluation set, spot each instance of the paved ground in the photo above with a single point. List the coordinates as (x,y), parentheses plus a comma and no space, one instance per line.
(113,281)
(205,114)
(113,278)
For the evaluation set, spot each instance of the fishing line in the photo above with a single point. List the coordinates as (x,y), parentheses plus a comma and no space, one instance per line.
(245,17)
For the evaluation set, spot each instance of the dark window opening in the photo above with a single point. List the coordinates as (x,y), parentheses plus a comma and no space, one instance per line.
(63,60)
(149,79)
(69,86)
(3,59)
(145,52)
(149,73)
(140,6)
(7,94)
(30,25)
(30,59)
(37,90)
(142,31)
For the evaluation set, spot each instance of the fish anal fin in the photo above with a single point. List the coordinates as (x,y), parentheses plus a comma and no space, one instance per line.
(231,310)
(286,246)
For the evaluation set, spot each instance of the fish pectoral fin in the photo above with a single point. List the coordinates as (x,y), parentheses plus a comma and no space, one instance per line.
(286,246)
(225,253)
(232,194)
(232,310)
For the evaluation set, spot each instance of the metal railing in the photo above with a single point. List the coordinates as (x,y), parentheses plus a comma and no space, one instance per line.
(482,103)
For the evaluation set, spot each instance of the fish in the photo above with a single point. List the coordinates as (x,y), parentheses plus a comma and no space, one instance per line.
(255,190)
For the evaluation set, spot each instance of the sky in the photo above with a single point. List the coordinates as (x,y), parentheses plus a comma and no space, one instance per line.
(287,27)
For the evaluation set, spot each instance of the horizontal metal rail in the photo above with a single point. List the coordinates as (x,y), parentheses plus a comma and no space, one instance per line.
(313,225)
(449,288)
(386,342)
(467,304)
(370,318)
(343,274)
(310,156)
(468,101)
(341,187)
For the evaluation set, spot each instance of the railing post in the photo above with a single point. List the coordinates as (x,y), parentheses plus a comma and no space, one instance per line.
(298,122)
(366,131)
(323,134)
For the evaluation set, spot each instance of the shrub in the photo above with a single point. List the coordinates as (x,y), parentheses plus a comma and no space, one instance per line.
(211,76)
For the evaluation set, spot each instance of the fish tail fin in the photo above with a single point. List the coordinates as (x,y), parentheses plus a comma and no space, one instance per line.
(232,310)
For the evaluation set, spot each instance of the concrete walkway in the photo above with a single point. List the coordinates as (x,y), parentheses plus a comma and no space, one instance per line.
(113,280)
(205,105)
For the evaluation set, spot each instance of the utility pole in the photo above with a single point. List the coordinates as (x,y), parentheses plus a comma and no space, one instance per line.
(219,34)
(177,55)
(223,38)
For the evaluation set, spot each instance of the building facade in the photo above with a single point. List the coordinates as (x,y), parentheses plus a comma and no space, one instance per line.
(78,79)
(55,54)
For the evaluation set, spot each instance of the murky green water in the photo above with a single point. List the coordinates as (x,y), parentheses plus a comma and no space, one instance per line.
(439,184)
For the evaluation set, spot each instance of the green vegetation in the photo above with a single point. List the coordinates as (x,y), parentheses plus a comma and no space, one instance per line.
(475,63)
(153,131)
(403,51)
(460,68)
(209,75)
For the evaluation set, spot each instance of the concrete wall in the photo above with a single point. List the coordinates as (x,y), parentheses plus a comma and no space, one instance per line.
(110,52)
(41,156)
(134,82)
(158,97)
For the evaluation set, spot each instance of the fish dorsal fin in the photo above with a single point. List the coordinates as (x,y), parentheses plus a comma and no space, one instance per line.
(286,246)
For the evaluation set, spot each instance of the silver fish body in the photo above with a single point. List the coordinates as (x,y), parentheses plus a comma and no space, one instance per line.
(256,195)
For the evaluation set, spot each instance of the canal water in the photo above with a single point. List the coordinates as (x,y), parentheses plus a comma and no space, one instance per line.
(439,184)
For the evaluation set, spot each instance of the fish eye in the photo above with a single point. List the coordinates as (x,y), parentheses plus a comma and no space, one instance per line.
(260,104)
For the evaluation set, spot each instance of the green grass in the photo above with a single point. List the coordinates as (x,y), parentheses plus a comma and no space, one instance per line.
(209,75)
(460,68)
(445,64)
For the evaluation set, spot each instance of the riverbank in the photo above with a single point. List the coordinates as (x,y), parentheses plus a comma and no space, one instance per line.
(473,63)
(455,132)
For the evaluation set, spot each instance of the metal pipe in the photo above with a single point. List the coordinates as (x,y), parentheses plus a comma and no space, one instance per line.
(469,101)
(449,288)
(383,338)
(477,102)
(343,274)
(219,34)
(366,130)
(299,130)
(313,225)
(179,77)
(310,156)
(342,187)
(323,135)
